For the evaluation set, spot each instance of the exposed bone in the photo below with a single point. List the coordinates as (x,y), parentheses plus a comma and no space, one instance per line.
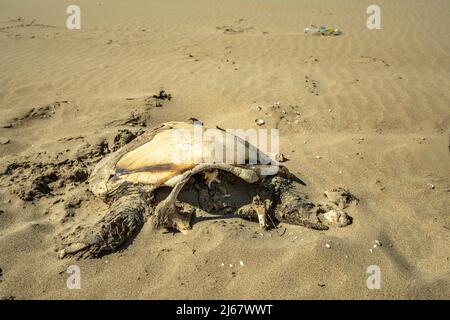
(211,176)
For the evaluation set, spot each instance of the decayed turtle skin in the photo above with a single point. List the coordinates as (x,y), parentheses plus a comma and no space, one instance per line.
(127,179)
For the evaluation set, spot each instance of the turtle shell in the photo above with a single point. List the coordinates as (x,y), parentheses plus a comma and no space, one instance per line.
(158,156)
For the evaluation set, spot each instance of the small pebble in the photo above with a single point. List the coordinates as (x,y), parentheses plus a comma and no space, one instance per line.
(328,246)
(318,157)
(241,263)
(4,140)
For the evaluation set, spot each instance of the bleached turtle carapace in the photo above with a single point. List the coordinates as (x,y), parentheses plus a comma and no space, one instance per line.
(128,179)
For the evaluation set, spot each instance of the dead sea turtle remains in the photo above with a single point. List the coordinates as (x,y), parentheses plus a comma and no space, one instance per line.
(130,181)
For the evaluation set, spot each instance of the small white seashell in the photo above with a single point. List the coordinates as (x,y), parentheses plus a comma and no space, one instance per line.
(371,250)
(432,186)
(328,246)
(223,264)
(241,263)
(231,266)
(346,256)
(318,157)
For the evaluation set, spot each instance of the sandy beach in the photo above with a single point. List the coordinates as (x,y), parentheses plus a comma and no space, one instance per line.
(367,110)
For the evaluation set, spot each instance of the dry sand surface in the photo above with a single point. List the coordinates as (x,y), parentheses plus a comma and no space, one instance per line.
(374,105)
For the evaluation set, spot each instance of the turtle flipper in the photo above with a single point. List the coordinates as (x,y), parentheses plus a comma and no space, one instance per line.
(124,219)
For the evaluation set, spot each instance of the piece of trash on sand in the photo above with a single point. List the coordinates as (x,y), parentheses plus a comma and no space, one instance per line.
(322,30)
(259,122)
